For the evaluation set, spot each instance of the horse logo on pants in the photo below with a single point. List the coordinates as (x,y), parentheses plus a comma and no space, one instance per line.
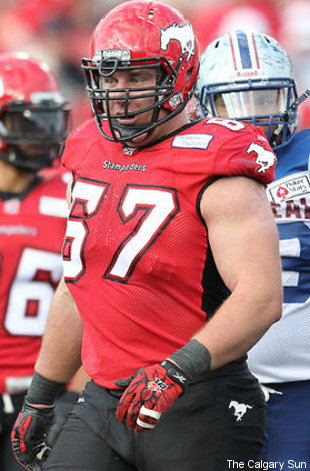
(240,409)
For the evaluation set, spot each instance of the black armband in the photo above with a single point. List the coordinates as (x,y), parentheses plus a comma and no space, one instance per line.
(43,390)
(194,359)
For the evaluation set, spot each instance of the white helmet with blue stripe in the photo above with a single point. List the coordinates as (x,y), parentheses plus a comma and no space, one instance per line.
(248,76)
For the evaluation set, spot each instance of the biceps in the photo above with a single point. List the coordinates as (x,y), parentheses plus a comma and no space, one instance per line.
(244,239)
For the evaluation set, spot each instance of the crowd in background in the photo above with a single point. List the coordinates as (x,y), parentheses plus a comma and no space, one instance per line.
(58,32)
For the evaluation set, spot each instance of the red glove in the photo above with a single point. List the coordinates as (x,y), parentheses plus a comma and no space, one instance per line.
(151,392)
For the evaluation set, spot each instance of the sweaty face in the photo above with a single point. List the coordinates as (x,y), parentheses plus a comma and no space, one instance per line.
(129,100)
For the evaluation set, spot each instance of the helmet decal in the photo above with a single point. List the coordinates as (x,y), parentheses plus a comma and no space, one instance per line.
(182,33)
(120,54)
(244,54)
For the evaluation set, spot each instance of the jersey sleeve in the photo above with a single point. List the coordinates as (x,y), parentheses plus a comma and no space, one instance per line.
(77,146)
(244,151)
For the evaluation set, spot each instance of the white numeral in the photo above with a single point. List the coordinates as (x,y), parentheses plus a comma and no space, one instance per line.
(227,123)
(25,289)
(86,199)
(158,205)
(153,206)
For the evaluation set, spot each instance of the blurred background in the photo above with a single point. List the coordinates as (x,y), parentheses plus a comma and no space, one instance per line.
(58,31)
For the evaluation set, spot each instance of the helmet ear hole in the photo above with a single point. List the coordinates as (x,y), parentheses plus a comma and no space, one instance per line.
(189,74)
(192,91)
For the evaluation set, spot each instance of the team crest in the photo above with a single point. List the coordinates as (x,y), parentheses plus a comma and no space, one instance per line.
(184,34)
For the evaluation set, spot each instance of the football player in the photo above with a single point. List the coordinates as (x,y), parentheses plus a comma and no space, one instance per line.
(248,76)
(33,123)
(172,283)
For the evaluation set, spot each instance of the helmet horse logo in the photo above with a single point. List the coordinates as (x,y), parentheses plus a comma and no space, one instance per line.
(184,34)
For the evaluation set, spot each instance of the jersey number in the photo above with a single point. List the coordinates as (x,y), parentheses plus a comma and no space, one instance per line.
(295,253)
(30,296)
(156,206)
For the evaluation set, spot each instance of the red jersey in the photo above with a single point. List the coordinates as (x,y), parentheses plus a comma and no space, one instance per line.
(136,256)
(32,227)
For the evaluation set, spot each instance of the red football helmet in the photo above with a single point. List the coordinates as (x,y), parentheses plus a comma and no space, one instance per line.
(33,113)
(141,34)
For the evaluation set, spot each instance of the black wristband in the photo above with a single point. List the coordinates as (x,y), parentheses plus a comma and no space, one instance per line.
(194,359)
(43,390)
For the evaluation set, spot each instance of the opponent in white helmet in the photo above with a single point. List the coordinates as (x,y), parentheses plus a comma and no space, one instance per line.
(248,76)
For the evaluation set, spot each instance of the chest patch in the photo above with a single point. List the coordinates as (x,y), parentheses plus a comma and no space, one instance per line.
(192,141)
(289,188)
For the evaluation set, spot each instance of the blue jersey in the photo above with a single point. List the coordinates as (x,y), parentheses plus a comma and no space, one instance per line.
(283,353)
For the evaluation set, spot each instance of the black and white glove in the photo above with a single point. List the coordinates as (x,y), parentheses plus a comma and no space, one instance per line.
(29,433)
(29,436)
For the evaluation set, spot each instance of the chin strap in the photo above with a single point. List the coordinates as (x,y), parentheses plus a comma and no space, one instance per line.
(287,116)
(300,99)
(129,131)
(293,108)
(135,130)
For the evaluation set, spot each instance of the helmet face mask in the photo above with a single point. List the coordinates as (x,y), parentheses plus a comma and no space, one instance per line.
(34,116)
(152,41)
(265,98)
(33,134)
(157,94)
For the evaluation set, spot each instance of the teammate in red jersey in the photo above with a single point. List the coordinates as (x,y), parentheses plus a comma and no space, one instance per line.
(33,210)
(171,260)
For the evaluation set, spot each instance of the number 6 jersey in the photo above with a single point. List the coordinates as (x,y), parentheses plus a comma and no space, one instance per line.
(32,227)
(136,256)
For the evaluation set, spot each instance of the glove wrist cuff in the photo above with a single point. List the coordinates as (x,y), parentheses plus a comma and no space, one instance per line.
(43,390)
(194,360)
(175,373)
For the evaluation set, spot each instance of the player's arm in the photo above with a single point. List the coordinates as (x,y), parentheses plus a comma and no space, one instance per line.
(245,246)
(79,380)
(70,395)
(59,357)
